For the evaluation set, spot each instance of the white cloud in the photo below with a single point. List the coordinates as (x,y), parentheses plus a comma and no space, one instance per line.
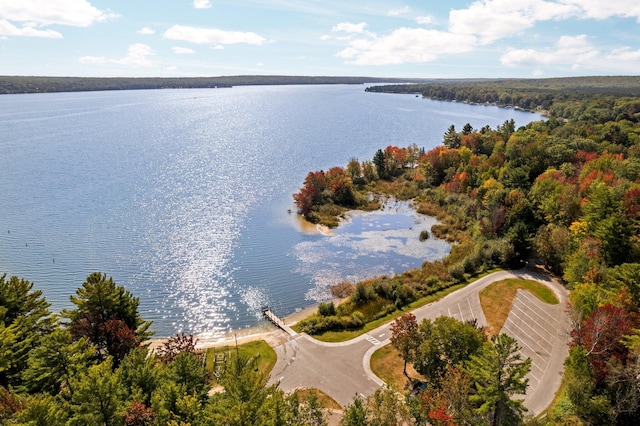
(219,47)
(325,37)
(212,36)
(348,27)
(491,20)
(603,9)
(398,12)
(201,4)
(406,45)
(182,50)
(624,54)
(136,57)
(425,20)
(569,50)
(93,60)
(260,64)
(8,29)
(38,13)
(146,31)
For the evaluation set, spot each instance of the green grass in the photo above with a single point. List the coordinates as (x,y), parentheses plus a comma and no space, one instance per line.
(496,300)
(266,355)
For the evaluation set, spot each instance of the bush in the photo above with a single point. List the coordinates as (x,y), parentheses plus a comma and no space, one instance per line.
(386,310)
(342,290)
(326,309)
(382,289)
(362,294)
(404,295)
(356,320)
(424,235)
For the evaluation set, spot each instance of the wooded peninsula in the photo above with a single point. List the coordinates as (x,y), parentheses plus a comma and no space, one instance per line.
(561,195)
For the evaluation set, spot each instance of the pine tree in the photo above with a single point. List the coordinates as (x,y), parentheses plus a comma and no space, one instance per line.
(108,316)
(24,320)
(499,373)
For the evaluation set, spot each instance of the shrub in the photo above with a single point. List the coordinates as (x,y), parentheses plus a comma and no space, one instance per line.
(326,309)
(345,308)
(424,235)
(362,294)
(357,320)
(457,271)
(382,289)
(386,310)
(404,295)
(342,290)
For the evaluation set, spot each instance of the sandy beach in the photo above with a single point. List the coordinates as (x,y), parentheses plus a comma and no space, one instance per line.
(263,331)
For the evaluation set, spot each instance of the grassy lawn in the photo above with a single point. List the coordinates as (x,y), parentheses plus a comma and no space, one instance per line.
(497,298)
(387,364)
(266,355)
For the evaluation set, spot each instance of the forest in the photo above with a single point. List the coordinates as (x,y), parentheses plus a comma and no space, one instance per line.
(560,194)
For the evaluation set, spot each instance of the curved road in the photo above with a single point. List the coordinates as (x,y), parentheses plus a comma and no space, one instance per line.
(342,370)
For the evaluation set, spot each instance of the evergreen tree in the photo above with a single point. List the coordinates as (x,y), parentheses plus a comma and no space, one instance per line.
(245,393)
(44,410)
(52,364)
(97,398)
(140,374)
(24,320)
(451,138)
(108,316)
(355,414)
(498,372)
(380,161)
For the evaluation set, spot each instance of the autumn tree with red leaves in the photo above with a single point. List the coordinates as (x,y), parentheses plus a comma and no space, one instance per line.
(405,337)
(601,335)
(175,345)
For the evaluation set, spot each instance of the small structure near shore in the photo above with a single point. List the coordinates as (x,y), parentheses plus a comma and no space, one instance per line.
(278,322)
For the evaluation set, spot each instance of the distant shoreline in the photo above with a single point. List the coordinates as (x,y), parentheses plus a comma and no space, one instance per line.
(43,84)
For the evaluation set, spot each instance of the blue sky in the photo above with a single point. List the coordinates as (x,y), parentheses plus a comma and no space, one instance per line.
(428,38)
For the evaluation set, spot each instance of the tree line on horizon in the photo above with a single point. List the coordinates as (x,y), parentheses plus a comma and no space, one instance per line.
(47,84)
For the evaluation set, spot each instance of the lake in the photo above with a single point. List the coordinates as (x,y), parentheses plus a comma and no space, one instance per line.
(184,196)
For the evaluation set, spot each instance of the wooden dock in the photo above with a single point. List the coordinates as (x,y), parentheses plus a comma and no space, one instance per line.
(278,322)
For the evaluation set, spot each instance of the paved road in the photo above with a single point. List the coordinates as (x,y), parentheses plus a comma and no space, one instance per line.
(342,370)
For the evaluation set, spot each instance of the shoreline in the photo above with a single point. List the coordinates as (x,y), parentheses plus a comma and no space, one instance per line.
(262,331)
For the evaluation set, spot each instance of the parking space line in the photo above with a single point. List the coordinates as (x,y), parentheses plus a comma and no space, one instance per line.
(470,308)
(536,312)
(536,302)
(521,341)
(532,328)
(528,335)
(460,309)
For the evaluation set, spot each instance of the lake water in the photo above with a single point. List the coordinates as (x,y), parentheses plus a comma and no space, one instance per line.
(182,196)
